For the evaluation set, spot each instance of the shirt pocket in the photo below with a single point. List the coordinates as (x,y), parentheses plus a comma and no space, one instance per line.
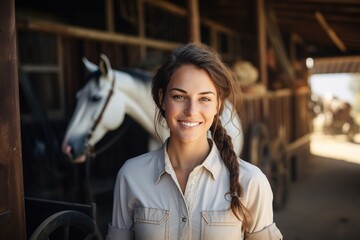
(220,225)
(151,223)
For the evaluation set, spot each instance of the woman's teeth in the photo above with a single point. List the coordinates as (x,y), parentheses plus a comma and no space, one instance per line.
(190,124)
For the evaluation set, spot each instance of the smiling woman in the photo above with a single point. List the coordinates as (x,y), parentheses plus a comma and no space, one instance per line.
(194,186)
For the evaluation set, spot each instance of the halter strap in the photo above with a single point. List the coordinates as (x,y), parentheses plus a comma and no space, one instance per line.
(89,151)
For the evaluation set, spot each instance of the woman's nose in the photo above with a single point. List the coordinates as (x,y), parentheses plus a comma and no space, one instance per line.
(190,108)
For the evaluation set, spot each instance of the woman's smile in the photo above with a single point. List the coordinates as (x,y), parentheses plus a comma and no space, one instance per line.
(190,124)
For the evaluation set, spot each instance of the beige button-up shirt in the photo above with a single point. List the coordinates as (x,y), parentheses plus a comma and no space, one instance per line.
(149,203)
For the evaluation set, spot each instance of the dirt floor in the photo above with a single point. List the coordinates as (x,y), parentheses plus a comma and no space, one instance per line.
(325,204)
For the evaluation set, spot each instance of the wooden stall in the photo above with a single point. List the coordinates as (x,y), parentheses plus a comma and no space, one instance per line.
(275,123)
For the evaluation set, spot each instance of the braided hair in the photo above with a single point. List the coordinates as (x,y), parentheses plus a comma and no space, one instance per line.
(201,56)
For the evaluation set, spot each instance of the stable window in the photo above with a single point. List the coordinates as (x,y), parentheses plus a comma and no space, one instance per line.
(40,75)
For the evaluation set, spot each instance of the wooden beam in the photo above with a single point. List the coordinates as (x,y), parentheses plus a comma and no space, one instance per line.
(332,34)
(194,20)
(90,34)
(218,27)
(172,8)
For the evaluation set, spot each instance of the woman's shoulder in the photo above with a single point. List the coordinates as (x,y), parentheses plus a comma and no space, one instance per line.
(140,161)
(251,173)
(249,168)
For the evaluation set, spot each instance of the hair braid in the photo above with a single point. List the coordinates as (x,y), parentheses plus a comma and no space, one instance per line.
(224,144)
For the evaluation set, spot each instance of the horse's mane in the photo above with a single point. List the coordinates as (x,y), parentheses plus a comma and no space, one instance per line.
(144,77)
(139,74)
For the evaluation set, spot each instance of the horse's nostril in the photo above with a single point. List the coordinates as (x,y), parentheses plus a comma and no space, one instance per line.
(72,151)
(69,150)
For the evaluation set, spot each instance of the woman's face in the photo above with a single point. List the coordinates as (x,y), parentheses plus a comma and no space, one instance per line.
(190,104)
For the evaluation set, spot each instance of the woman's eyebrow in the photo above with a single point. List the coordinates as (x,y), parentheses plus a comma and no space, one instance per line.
(178,89)
(183,91)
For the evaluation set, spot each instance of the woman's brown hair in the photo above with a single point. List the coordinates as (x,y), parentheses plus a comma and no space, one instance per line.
(227,87)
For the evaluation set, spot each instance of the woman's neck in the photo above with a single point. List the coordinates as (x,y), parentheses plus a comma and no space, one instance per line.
(184,157)
(187,156)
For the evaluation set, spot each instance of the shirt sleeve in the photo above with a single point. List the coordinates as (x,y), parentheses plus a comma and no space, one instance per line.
(122,215)
(270,233)
(115,233)
(258,202)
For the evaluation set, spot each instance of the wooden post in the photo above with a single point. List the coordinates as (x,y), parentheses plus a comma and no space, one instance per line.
(194,20)
(12,207)
(261,29)
(214,42)
(277,42)
(109,15)
(141,28)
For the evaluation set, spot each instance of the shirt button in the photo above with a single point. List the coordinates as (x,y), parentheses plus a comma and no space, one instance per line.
(167,168)
(192,182)
(183,219)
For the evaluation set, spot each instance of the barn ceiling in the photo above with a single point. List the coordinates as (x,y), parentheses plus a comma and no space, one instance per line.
(319,27)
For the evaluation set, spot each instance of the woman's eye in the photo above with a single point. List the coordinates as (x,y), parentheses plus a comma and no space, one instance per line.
(178,97)
(205,99)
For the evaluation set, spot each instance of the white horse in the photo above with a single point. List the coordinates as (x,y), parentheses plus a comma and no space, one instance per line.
(105,99)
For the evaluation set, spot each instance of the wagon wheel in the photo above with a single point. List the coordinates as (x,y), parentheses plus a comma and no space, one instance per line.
(260,148)
(280,177)
(66,220)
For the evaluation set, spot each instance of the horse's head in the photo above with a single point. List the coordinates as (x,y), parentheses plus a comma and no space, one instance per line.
(100,108)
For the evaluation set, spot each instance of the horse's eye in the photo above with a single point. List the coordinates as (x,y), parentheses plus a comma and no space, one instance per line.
(95,98)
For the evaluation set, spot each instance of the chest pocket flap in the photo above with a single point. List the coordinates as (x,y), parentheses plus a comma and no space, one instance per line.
(220,225)
(151,215)
(220,218)
(151,224)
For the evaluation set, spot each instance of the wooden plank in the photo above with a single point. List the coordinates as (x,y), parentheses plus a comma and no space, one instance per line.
(172,8)
(90,34)
(12,211)
(218,27)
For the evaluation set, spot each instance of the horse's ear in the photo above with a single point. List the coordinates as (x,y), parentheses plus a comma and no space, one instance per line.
(104,65)
(91,67)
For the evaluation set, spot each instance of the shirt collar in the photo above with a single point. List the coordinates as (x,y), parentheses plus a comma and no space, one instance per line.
(212,163)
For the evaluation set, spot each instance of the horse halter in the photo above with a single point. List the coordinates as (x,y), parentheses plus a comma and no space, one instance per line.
(89,149)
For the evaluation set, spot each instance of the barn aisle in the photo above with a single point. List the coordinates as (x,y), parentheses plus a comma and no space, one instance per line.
(325,204)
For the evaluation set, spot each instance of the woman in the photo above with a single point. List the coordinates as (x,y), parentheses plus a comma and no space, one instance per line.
(194,187)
